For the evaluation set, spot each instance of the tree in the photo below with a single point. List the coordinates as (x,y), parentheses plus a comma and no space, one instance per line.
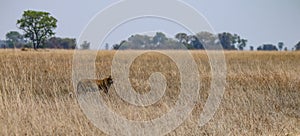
(242,43)
(85,45)
(159,38)
(37,25)
(208,40)
(228,40)
(251,48)
(232,41)
(106,46)
(68,43)
(280,45)
(259,48)
(138,41)
(13,38)
(194,42)
(182,37)
(3,44)
(297,46)
(63,43)
(189,41)
(267,47)
(117,46)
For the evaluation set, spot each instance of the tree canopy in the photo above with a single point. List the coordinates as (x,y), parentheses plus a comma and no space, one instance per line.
(61,43)
(297,46)
(38,26)
(14,39)
(85,45)
(280,45)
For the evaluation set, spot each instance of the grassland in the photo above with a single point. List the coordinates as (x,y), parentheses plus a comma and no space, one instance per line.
(262,95)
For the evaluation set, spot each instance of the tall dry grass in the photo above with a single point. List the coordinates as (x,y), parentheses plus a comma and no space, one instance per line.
(262,94)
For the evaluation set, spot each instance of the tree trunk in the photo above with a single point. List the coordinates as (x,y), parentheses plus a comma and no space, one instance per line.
(34,46)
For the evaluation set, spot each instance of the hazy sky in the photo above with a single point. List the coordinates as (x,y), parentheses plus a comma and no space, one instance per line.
(259,21)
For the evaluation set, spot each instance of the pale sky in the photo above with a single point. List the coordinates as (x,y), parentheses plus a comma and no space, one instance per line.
(258,21)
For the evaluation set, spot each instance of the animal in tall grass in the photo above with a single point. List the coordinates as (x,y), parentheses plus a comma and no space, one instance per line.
(87,85)
(104,84)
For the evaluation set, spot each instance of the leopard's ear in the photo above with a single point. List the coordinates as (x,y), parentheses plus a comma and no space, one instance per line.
(109,76)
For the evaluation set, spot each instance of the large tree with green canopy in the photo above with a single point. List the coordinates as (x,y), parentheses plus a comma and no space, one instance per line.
(37,25)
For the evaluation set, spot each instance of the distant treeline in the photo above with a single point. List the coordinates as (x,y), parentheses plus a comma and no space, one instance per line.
(141,42)
(16,40)
(199,41)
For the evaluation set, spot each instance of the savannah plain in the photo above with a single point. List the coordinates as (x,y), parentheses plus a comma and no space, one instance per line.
(262,93)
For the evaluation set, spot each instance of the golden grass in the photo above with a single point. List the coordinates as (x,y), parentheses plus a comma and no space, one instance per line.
(262,94)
